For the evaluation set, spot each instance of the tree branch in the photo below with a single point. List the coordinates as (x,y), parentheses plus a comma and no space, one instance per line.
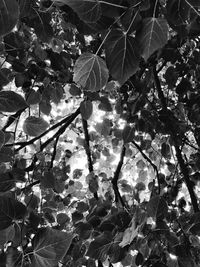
(57,134)
(12,118)
(30,142)
(150,162)
(54,152)
(175,138)
(66,121)
(115,179)
(87,149)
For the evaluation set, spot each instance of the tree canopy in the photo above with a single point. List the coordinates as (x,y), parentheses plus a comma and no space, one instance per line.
(99,133)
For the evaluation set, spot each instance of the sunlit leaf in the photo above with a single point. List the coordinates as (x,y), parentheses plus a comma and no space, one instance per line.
(34,126)
(87,10)
(9,11)
(90,72)
(122,55)
(152,36)
(11,101)
(49,247)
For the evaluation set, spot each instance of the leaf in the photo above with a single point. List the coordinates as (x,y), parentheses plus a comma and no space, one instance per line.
(33,97)
(86,109)
(122,55)
(7,181)
(34,126)
(48,180)
(11,102)
(129,234)
(6,235)
(6,154)
(87,10)
(90,72)
(49,247)
(10,209)
(128,134)
(99,247)
(153,36)
(9,11)
(157,207)
(105,104)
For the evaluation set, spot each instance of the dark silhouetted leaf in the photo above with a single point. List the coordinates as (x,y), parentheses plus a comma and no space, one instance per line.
(10,209)
(139,259)
(87,10)
(153,36)
(157,207)
(122,55)
(99,247)
(34,126)
(86,109)
(6,235)
(6,154)
(9,15)
(105,104)
(49,247)
(90,72)
(7,181)
(128,134)
(11,101)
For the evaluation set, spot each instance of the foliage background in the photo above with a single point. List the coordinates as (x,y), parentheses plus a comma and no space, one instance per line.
(99,133)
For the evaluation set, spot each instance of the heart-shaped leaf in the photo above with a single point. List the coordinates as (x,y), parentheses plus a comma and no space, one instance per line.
(10,209)
(153,36)
(122,55)
(49,247)
(90,72)
(34,126)
(87,10)
(11,101)
(9,15)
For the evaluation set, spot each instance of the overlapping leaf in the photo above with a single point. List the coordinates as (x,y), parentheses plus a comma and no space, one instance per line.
(122,55)
(153,36)
(49,247)
(90,72)
(34,126)
(87,10)
(9,13)
(11,101)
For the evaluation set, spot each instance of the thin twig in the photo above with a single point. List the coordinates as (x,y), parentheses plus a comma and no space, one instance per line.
(87,149)
(150,162)
(115,179)
(54,152)
(12,119)
(65,121)
(174,136)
